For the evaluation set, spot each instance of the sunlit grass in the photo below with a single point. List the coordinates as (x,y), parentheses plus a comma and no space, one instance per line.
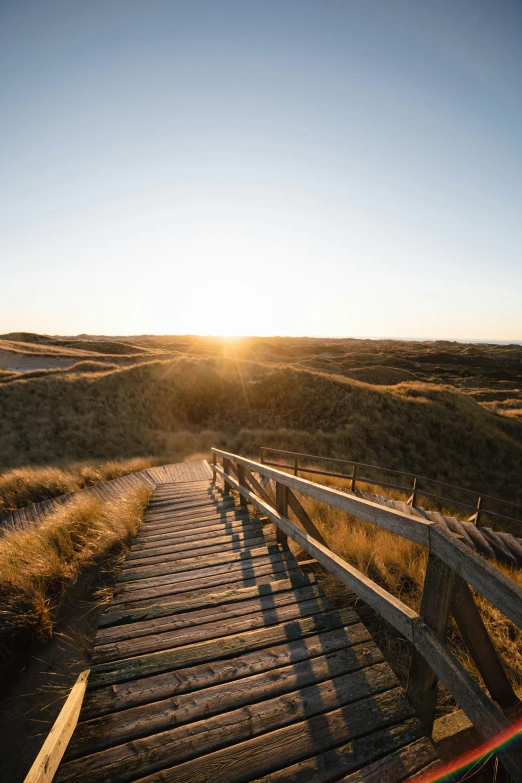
(22,486)
(39,564)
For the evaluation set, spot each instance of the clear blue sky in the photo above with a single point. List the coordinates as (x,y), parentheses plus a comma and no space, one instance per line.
(336,167)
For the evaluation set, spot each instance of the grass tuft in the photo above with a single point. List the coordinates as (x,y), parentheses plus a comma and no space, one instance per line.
(38,565)
(22,486)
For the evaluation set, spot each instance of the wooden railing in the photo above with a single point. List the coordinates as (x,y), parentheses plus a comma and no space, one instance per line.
(451,569)
(365,474)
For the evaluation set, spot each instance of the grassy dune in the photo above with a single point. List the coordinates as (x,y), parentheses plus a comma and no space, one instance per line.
(170,408)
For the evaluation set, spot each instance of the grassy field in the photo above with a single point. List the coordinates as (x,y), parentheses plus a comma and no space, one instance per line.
(170,407)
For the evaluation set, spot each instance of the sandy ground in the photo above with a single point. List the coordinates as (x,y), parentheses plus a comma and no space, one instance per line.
(19,362)
(34,700)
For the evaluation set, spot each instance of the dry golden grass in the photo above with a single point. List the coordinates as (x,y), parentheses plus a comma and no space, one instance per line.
(22,486)
(38,565)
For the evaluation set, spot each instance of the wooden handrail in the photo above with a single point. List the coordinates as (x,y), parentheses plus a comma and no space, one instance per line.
(48,760)
(489,581)
(477,508)
(449,559)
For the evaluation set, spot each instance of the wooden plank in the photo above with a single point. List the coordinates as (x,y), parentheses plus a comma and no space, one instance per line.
(186,509)
(258,488)
(241,479)
(205,549)
(220,597)
(197,541)
(111,674)
(435,609)
(475,635)
(356,754)
(398,766)
(404,525)
(214,529)
(257,574)
(257,755)
(198,568)
(192,634)
(224,523)
(179,501)
(181,523)
(50,755)
(171,618)
(92,736)
(192,611)
(354,639)
(372,703)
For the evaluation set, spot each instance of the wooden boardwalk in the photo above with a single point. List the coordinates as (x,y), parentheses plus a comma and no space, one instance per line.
(220,660)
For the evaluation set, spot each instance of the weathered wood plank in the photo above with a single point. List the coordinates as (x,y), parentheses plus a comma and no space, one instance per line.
(112,673)
(246,566)
(373,703)
(215,528)
(190,634)
(92,736)
(257,574)
(503,593)
(303,517)
(196,542)
(172,618)
(224,524)
(177,565)
(166,606)
(398,766)
(171,577)
(50,755)
(358,753)
(354,639)
(204,550)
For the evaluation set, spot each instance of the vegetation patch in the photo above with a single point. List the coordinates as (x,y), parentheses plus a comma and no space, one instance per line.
(22,486)
(38,565)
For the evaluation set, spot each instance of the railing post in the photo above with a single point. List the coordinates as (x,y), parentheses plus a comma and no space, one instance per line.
(354,477)
(262,456)
(226,467)
(282,508)
(241,479)
(413,498)
(435,609)
(214,474)
(295,467)
(477,516)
